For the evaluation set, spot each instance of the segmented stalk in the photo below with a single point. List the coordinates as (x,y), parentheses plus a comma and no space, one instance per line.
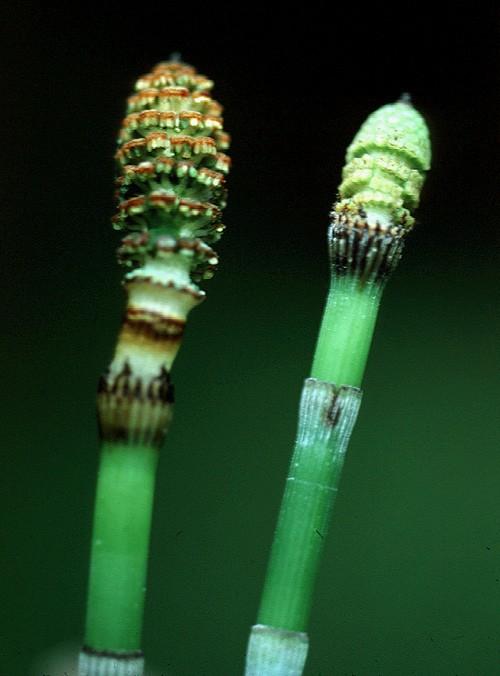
(171,192)
(384,172)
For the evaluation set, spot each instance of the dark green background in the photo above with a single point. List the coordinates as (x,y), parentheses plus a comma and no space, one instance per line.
(410,582)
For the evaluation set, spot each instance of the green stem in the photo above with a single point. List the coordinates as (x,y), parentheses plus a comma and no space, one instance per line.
(326,418)
(328,411)
(341,353)
(120,543)
(346,330)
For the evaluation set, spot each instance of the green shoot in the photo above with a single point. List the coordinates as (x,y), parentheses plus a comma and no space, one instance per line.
(381,184)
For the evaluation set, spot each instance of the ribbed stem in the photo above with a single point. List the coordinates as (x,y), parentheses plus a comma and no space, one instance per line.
(361,262)
(327,416)
(381,184)
(120,544)
(346,330)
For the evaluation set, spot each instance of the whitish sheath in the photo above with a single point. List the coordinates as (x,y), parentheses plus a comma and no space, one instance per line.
(170,191)
(381,184)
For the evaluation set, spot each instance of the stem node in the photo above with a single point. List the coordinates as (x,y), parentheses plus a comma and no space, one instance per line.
(275,652)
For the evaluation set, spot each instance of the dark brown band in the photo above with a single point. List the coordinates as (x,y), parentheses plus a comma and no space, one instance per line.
(367,252)
(129,655)
(131,410)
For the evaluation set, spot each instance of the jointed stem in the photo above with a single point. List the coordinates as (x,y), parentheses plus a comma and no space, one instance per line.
(278,643)
(381,181)
(328,411)
(171,192)
(327,415)
(326,418)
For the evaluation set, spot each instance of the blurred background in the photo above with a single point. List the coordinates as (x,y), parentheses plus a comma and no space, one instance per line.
(410,581)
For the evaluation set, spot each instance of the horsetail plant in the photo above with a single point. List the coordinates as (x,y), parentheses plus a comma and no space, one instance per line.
(170,191)
(382,179)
